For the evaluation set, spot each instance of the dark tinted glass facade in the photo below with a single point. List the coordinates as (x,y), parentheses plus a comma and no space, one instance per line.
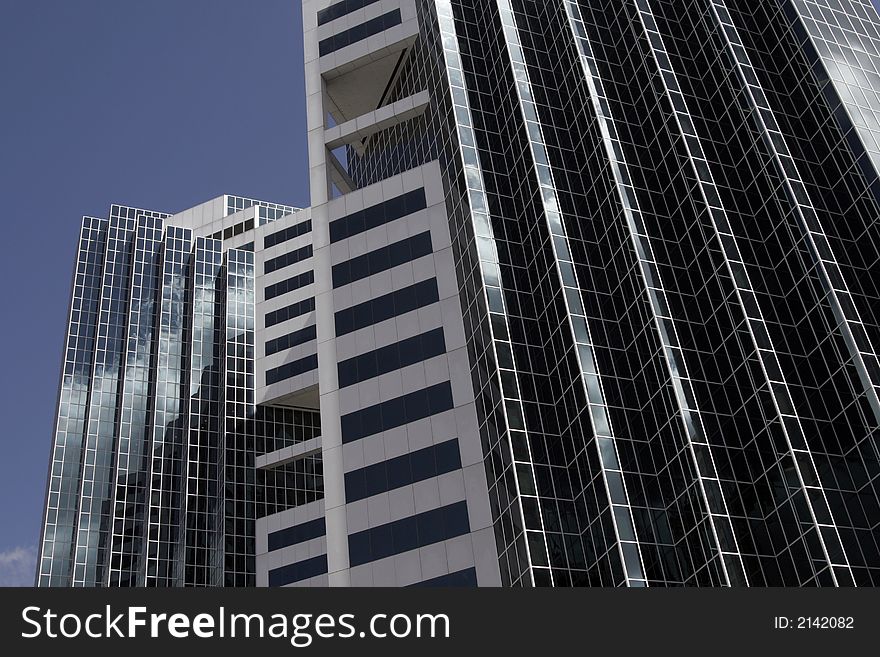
(664,224)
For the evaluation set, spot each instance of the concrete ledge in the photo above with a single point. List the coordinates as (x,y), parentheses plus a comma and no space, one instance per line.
(352,57)
(356,130)
(289,454)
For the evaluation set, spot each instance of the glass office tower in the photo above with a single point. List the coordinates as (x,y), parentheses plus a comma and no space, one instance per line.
(152,479)
(587,296)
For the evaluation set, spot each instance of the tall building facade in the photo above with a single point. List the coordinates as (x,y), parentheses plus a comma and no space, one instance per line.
(152,479)
(587,296)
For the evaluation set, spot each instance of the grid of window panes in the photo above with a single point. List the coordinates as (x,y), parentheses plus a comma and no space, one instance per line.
(289,485)
(703,310)
(523,32)
(169,417)
(91,485)
(687,300)
(54,567)
(266,212)
(127,212)
(97,461)
(540,358)
(846,34)
(155,510)
(732,569)
(600,214)
(130,483)
(233,231)
(662,369)
(292,484)
(238,454)
(277,427)
(857,291)
(840,205)
(698,489)
(831,565)
(697,204)
(748,454)
(519,463)
(407,144)
(202,480)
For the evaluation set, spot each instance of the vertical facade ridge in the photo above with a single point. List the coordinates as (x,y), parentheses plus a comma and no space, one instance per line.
(846,311)
(602,426)
(201,482)
(129,478)
(800,199)
(688,409)
(163,517)
(489,291)
(92,531)
(758,332)
(55,566)
(846,314)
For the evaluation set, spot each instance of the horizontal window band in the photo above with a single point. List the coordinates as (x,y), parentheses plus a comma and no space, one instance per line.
(397,412)
(359,32)
(461,578)
(289,285)
(387,306)
(382,259)
(289,233)
(393,357)
(289,312)
(290,370)
(296,572)
(408,534)
(377,215)
(402,470)
(294,339)
(297,534)
(340,9)
(288,259)
(232,231)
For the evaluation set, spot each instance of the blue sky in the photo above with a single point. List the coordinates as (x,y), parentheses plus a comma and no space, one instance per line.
(160,104)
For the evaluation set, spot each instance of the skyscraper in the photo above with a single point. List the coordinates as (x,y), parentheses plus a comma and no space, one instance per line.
(587,297)
(152,479)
